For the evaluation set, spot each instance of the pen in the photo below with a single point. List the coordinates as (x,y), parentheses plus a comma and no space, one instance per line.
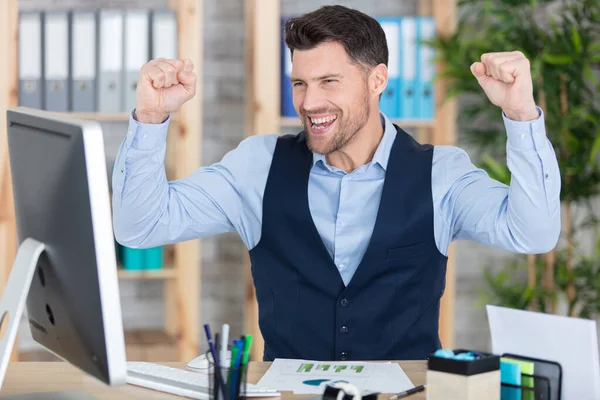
(408,392)
(247,345)
(235,366)
(215,356)
(224,340)
(234,351)
(241,365)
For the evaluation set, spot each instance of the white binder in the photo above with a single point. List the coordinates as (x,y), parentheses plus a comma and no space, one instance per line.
(110,74)
(30,59)
(83,61)
(164,34)
(56,61)
(137,52)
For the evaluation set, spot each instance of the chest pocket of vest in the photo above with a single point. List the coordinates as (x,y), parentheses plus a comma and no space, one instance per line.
(406,252)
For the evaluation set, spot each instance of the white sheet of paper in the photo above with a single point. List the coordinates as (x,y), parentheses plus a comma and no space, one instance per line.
(572,342)
(310,377)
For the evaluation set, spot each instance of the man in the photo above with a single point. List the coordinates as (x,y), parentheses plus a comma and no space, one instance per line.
(348,223)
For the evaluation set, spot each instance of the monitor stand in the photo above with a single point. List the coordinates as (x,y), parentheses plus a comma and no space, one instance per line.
(11,307)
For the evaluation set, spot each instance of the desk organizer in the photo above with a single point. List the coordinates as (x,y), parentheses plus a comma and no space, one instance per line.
(452,379)
(527,378)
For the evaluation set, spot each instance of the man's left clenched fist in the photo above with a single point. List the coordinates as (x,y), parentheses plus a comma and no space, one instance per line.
(506,80)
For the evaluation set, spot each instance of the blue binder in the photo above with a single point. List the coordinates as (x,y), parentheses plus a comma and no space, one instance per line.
(409,67)
(390,98)
(426,70)
(287,105)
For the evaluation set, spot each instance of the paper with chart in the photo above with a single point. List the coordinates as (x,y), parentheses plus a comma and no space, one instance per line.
(310,377)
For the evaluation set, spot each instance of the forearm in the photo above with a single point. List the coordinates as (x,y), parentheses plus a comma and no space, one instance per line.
(533,204)
(140,187)
(148,210)
(523,217)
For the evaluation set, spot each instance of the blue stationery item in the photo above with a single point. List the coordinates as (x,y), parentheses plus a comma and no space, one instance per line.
(458,355)
(287,104)
(133,259)
(239,346)
(215,357)
(510,373)
(389,103)
(425,94)
(153,258)
(409,70)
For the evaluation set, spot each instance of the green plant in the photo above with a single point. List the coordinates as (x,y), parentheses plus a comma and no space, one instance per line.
(561,39)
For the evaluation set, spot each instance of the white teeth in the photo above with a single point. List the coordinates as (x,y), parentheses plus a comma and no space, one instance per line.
(323,120)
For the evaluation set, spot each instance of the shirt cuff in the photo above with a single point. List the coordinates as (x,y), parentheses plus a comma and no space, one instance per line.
(142,136)
(526,135)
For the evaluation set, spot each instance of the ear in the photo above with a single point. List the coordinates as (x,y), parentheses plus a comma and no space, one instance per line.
(378,79)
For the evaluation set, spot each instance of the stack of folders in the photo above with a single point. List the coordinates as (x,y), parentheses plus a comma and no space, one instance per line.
(525,378)
(89,60)
(410,92)
(140,259)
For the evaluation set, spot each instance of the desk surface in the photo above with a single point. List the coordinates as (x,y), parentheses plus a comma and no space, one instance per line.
(26,377)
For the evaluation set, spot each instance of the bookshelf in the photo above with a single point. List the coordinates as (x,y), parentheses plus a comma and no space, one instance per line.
(179,340)
(263,116)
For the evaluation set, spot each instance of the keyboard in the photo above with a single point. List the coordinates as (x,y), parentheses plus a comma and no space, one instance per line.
(180,382)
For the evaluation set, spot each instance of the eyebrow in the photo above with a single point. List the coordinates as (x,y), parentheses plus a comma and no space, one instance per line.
(320,78)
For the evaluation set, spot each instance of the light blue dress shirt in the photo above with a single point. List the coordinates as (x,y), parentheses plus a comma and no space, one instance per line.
(227,196)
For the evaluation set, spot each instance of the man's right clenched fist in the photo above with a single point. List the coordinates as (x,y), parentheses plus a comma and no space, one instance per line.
(163,87)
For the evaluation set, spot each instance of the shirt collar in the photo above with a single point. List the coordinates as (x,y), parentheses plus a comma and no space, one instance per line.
(382,154)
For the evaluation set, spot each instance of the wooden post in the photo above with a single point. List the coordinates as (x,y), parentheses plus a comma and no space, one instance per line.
(444,133)
(262,112)
(8,98)
(187,159)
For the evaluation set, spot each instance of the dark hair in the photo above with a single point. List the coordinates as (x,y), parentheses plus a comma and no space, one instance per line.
(362,36)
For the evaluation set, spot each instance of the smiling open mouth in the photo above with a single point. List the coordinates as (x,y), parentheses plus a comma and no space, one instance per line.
(322,123)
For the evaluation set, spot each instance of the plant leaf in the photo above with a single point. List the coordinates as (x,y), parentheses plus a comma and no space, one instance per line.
(589,74)
(557,59)
(576,38)
(595,147)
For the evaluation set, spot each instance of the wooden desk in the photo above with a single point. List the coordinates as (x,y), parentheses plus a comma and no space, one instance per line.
(25,377)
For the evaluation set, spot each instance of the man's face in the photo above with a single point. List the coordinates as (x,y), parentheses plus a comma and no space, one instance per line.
(331,96)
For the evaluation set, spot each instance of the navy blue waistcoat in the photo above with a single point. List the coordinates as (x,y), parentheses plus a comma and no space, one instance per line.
(390,308)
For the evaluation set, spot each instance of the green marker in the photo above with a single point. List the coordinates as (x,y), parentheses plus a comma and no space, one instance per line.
(246,353)
(234,351)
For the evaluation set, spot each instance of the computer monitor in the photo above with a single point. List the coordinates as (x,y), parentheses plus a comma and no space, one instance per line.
(65,270)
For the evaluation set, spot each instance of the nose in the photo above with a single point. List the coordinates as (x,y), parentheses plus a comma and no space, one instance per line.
(313,99)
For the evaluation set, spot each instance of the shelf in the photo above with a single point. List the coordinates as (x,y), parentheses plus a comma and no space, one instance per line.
(403,123)
(106,117)
(168,272)
(96,116)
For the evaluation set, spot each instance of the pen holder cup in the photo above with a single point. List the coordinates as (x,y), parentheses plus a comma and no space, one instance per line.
(226,383)
(455,379)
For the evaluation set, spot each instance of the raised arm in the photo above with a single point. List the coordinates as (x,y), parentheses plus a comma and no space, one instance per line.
(525,216)
(148,210)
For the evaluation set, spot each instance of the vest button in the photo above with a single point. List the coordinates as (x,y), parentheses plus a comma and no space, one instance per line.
(343,356)
(344,303)
(344,329)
